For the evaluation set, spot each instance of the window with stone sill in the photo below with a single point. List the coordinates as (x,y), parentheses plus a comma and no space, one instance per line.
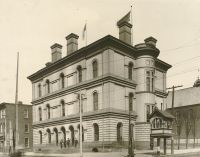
(62,80)
(95,68)
(26,129)
(130,71)
(26,142)
(79,70)
(25,113)
(39,90)
(150,80)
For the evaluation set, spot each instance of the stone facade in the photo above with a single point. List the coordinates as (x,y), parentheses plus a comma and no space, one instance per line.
(114,77)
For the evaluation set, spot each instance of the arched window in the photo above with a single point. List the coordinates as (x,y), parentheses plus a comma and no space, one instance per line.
(47,86)
(95,101)
(40,135)
(48,111)
(130,98)
(62,80)
(130,71)
(95,69)
(40,113)
(96,132)
(119,132)
(79,70)
(71,128)
(63,107)
(39,90)
(63,133)
(56,135)
(49,135)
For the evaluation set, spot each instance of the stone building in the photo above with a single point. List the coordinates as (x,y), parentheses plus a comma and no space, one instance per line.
(113,76)
(8,122)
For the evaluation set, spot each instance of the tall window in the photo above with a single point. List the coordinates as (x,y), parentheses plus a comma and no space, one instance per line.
(49,135)
(130,71)
(63,107)
(40,113)
(26,142)
(79,69)
(56,135)
(62,80)
(96,132)
(26,129)
(150,81)
(47,86)
(48,111)
(95,101)
(40,134)
(39,90)
(130,97)
(95,69)
(147,112)
(25,113)
(119,132)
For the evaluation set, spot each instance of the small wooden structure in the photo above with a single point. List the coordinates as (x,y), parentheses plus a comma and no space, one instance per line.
(161,127)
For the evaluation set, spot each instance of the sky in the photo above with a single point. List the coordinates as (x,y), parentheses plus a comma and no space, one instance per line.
(30,27)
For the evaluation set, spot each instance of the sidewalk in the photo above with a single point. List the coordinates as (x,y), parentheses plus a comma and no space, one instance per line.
(123,153)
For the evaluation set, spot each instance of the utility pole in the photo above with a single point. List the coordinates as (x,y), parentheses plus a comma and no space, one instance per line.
(80,133)
(130,146)
(173,90)
(15,133)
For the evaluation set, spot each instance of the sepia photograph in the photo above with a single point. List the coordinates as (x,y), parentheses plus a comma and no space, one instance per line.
(99,78)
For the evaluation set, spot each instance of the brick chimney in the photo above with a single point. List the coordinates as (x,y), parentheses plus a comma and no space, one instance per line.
(72,43)
(151,41)
(125,31)
(56,52)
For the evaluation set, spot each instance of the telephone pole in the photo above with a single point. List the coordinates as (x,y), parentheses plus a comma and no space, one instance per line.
(81,131)
(173,90)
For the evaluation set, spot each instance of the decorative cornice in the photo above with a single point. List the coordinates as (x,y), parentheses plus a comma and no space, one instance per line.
(85,85)
(101,44)
(162,65)
(88,116)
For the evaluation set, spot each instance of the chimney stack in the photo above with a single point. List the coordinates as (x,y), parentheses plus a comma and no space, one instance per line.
(56,52)
(72,43)
(151,41)
(125,31)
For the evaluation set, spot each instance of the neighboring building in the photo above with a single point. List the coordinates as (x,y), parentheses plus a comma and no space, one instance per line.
(7,126)
(186,111)
(113,76)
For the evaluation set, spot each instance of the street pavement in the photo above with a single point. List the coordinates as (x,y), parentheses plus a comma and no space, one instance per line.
(139,153)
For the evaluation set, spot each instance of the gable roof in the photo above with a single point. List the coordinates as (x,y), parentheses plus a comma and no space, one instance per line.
(164,114)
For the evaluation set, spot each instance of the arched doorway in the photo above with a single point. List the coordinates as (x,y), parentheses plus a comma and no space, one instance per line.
(71,128)
(63,132)
(119,132)
(49,136)
(56,135)
(82,132)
